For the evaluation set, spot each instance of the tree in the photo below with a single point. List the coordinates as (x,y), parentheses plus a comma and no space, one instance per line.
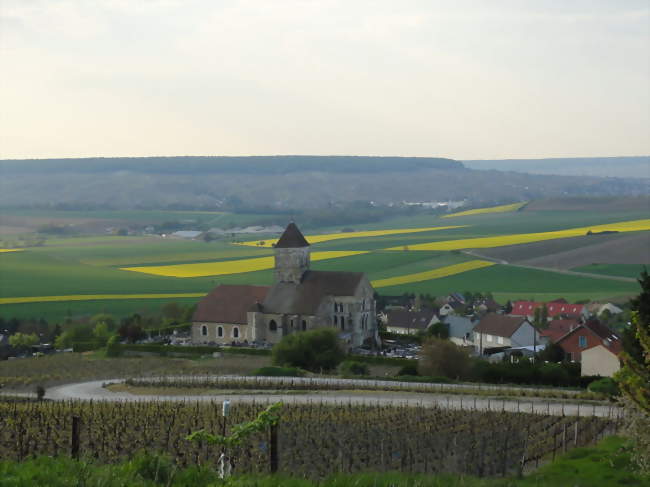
(438,330)
(63,341)
(23,341)
(172,310)
(634,376)
(443,358)
(313,350)
(101,333)
(551,353)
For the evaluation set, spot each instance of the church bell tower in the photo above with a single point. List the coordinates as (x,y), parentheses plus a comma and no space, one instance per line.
(291,256)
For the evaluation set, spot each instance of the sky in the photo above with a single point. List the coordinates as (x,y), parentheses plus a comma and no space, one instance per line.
(463,79)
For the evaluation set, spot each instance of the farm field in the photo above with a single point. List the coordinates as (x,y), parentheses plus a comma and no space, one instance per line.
(623,270)
(93,266)
(415,439)
(491,209)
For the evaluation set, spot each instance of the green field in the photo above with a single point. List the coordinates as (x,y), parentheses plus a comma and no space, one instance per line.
(91,265)
(622,270)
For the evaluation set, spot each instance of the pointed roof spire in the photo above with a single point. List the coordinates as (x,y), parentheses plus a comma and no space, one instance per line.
(291,238)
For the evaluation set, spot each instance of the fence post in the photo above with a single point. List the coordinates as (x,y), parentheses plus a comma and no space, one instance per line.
(575,435)
(74,446)
(564,439)
(273,448)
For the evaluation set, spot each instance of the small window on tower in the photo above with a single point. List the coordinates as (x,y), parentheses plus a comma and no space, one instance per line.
(304,325)
(273,326)
(204,331)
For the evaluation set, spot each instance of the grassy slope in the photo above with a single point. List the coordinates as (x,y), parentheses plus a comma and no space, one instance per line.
(624,270)
(604,465)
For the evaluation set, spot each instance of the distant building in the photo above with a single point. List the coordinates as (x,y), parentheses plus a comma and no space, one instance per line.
(406,322)
(579,344)
(558,307)
(496,331)
(300,299)
(460,330)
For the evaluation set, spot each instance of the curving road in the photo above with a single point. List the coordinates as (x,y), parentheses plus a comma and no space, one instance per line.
(94,390)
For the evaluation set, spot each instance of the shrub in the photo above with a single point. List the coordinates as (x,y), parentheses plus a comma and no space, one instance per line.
(278,372)
(605,385)
(154,467)
(410,369)
(113,348)
(443,358)
(351,367)
(313,350)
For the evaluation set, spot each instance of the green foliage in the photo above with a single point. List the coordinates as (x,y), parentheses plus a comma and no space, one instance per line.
(158,468)
(274,371)
(113,348)
(101,333)
(352,367)
(243,431)
(551,353)
(410,369)
(313,350)
(606,386)
(438,330)
(443,358)
(23,341)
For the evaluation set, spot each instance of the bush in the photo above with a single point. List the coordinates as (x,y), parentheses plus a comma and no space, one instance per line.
(313,350)
(443,358)
(351,367)
(113,348)
(606,386)
(410,369)
(278,372)
(158,468)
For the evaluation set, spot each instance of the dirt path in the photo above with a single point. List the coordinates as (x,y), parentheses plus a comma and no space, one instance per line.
(94,390)
(549,269)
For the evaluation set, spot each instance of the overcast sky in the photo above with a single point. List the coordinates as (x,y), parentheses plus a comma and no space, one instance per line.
(460,79)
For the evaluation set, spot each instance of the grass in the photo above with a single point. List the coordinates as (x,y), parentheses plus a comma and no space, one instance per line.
(520,238)
(75,367)
(227,267)
(623,270)
(433,274)
(314,239)
(516,282)
(491,209)
(604,465)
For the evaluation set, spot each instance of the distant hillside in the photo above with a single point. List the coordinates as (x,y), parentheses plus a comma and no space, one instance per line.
(277,183)
(616,167)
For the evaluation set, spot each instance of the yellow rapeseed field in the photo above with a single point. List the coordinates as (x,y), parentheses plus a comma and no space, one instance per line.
(203,269)
(449,270)
(312,239)
(492,209)
(10,250)
(94,297)
(521,238)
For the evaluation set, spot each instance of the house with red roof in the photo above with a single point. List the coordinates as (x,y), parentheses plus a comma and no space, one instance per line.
(559,307)
(595,346)
(557,329)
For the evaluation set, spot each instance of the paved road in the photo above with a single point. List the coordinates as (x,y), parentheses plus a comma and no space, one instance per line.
(94,390)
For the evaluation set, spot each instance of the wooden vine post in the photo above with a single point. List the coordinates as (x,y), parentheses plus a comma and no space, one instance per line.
(74,444)
(239,433)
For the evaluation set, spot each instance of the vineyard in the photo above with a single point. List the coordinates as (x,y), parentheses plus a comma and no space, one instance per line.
(314,440)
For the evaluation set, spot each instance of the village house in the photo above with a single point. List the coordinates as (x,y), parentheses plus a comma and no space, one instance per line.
(406,322)
(300,299)
(556,329)
(498,332)
(595,346)
(460,330)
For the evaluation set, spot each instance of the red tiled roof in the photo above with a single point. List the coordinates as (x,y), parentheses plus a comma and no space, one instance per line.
(609,339)
(527,308)
(558,328)
(229,303)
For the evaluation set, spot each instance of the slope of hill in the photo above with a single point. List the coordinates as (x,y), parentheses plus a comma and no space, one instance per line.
(619,167)
(276,182)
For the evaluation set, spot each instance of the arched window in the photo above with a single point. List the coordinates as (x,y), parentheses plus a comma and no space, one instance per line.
(219,331)
(304,325)
(336,307)
(273,326)
(292,324)
(235,332)
(342,323)
(336,320)
(204,330)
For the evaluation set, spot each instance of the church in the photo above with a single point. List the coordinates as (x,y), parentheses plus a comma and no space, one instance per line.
(300,299)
